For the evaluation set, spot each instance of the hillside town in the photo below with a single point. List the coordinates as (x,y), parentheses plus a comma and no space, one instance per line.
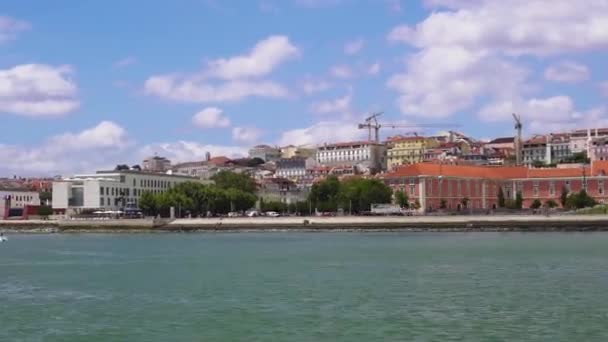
(448,171)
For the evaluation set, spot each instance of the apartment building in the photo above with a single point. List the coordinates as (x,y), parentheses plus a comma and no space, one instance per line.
(430,184)
(367,157)
(110,190)
(407,150)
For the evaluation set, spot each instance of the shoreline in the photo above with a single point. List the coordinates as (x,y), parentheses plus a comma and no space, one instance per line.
(573,223)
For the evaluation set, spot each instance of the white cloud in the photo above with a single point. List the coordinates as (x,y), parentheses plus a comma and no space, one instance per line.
(265,56)
(181,89)
(125,62)
(37,90)
(106,134)
(374,69)
(339,105)
(91,149)
(541,115)
(468,50)
(436,86)
(321,132)
(10,28)
(516,27)
(210,117)
(310,86)
(246,135)
(228,79)
(183,151)
(567,72)
(341,71)
(354,47)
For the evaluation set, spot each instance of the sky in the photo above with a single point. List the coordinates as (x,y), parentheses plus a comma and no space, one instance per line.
(85,85)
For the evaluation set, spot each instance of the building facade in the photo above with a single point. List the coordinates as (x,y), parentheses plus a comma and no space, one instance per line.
(110,190)
(156,164)
(549,149)
(16,199)
(431,184)
(368,157)
(294,168)
(281,190)
(265,152)
(292,151)
(407,150)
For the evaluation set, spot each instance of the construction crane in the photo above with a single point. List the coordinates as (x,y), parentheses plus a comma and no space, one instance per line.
(518,128)
(372,123)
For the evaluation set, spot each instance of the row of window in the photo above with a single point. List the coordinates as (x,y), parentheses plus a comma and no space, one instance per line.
(23,198)
(154,183)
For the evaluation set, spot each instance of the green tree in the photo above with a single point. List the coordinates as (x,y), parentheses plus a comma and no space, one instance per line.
(227,179)
(538,164)
(564,196)
(401,199)
(536,204)
(519,200)
(147,203)
(501,198)
(45,196)
(44,211)
(550,204)
(324,195)
(580,200)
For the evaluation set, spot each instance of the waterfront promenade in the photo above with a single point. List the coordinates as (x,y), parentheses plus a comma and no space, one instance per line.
(415,223)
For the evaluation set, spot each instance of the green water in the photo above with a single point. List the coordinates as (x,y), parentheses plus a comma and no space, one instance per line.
(305,287)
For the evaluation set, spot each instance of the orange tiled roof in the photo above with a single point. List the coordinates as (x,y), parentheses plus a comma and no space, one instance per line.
(494,172)
(404,138)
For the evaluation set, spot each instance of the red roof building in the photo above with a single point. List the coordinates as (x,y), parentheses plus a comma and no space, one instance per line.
(432,183)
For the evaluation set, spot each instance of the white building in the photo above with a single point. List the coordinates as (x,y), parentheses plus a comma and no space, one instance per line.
(294,168)
(110,190)
(16,199)
(580,139)
(367,156)
(265,152)
(156,164)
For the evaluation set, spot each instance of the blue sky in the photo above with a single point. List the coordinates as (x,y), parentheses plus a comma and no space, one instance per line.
(88,84)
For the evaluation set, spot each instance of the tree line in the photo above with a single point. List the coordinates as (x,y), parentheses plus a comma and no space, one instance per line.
(231,192)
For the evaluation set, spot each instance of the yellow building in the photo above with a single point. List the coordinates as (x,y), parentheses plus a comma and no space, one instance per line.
(407,150)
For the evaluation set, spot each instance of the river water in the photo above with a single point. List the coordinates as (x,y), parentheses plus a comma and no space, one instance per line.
(305,287)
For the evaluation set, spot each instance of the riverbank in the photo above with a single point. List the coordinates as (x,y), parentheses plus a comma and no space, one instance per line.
(416,223)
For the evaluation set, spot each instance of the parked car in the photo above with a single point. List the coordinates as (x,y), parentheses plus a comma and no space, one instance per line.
(234,214)
(272,214)
(252,213)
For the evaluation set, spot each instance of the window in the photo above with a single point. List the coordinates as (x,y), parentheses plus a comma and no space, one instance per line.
(567,186)
(551,188)
(101,201)
(112,191)
(535,188)
(134,183)
(600,186)
(459,187)
(101,190)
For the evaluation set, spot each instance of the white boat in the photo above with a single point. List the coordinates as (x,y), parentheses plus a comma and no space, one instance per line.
(3,239)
